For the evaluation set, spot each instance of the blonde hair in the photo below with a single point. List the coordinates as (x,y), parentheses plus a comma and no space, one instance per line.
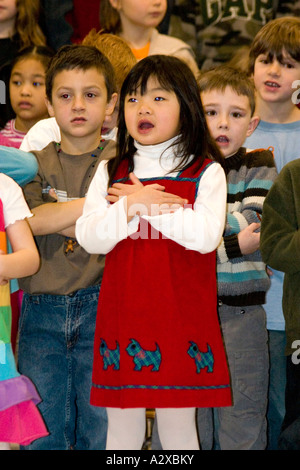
(115,49)
(27,23)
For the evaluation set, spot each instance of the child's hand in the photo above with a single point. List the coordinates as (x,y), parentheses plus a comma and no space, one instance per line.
(120,189)
(249,239)
(53,194)
(269,271)
(152,200)
(3,280)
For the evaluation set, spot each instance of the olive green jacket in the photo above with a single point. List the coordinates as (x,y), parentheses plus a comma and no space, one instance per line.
(280,243)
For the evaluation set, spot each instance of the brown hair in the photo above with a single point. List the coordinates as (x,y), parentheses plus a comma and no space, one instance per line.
(225,76)
(27,23)
(77,56)
(274,37)
(115,49)
(110,19)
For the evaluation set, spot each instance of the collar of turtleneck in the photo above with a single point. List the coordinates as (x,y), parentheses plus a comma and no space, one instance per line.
(155,151)
(230,162)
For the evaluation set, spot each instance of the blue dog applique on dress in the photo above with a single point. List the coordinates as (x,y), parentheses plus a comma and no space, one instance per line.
(143,357)
(111,357)
(202,359)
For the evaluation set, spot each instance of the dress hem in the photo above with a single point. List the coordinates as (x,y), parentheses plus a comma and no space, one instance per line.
(157,399)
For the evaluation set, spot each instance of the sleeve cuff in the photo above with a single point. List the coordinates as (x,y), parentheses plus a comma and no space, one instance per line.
(232,246)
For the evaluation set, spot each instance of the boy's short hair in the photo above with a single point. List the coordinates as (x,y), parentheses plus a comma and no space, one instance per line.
(115,49)
(274,37)
(224,76)
(83,58)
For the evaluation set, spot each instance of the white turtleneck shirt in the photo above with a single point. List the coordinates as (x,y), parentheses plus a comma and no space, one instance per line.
(197,227)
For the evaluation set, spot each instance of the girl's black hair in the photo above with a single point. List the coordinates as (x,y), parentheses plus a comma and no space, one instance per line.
(41,53)
(193,137)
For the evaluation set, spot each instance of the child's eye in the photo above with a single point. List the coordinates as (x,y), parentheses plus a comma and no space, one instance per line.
(210,112)
(159,98)
(288,65)
(16,82)
(264,60)
(65,96)
(91,95)
(236,114)
(132,100)
(37,84)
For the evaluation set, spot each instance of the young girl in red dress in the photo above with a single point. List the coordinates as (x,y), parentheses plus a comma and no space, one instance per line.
(158,211)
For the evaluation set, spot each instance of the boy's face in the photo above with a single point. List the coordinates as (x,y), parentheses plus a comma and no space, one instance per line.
(273,80)
(79,103)
(228,116)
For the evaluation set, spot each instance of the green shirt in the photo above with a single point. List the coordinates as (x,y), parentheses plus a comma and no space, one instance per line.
(280,243)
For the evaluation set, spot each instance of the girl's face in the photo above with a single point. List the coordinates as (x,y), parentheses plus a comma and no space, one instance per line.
(8,10)
(27,92)
(274,80)
(147,13)
(152,118)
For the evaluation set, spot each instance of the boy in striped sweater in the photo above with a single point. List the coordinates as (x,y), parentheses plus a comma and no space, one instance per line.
(228,99)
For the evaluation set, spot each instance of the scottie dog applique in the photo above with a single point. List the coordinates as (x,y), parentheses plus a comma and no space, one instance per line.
(202,359)
(143,357)
(111,357)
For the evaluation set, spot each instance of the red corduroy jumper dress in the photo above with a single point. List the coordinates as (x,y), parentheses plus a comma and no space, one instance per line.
(158,342)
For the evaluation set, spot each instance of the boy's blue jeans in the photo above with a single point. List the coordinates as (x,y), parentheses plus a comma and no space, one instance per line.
(243,425)
(56,353)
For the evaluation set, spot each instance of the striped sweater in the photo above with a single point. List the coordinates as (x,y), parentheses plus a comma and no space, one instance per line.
(12,136)
(242,279)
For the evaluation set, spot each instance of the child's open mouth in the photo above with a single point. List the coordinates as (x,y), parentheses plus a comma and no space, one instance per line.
(222,139)
(145,125)
(272,84)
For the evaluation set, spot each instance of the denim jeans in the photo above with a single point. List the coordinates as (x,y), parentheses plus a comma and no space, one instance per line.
(289,438)
(276,397)
(243,425)
(56,353)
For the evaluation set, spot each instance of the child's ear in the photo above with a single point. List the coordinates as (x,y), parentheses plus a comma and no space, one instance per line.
(49,107)
(115,4)
(111,104)
(252,125)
